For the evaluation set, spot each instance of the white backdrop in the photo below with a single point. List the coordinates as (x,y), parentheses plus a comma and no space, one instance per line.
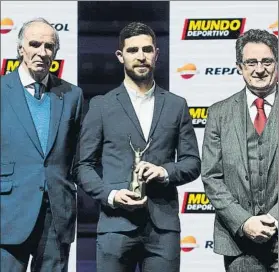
(203,71)
(64,17)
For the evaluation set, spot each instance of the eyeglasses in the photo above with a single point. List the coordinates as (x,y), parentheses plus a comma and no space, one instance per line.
(252,63)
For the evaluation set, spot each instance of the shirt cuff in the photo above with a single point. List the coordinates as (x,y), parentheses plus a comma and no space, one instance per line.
(166,178)
(111,198)
(276,221)
(240,231)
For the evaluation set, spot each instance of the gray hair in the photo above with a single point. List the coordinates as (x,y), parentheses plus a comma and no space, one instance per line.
(256,36)
(26,25)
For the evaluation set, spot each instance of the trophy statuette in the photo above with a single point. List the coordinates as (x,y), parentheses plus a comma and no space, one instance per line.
(137,185)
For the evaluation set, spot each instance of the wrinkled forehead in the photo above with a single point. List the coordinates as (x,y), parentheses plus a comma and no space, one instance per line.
(40,32)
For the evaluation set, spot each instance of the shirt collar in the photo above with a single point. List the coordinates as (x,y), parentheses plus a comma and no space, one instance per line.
(252,97)
(27,80)
(135,94)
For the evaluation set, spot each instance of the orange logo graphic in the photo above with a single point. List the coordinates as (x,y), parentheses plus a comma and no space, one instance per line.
(6,25)
(188,70)
(274,28)
(188,243)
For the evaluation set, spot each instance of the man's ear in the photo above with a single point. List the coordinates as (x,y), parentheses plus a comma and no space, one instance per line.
(119,55)
(157,51)
(20,50)
(239,68)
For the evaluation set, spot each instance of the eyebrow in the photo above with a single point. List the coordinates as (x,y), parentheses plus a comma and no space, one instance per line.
(267,58)
(35,42)
(144,48)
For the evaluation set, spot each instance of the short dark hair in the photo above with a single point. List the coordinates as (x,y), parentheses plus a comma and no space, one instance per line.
(135,29)
(256,36)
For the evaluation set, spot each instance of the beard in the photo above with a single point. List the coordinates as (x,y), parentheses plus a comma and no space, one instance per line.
(137,77)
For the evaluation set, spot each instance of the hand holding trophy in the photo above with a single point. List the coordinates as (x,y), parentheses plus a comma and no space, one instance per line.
(137,185)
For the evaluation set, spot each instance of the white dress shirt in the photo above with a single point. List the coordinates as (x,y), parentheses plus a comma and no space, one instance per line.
(143,104)
(28,82)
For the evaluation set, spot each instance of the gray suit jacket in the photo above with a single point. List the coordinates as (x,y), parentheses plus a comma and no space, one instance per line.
(104,140)
(225,171)
(25,168)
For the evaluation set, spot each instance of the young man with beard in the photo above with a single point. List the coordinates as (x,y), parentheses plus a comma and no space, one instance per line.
(137,115)
(240,160)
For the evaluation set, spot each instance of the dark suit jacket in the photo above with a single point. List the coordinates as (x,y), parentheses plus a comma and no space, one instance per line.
(24,167)
(105,133)
(225,171)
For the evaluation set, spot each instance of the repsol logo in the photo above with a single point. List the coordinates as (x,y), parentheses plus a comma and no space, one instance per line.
(199,116)
(61,27)
(9,65)
(213,29)
(196,202)
(221,71)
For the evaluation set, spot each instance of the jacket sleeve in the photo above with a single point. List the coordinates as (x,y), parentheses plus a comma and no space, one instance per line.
(188,164)
(89,153)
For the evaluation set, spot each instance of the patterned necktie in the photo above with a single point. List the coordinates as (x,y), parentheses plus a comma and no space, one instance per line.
(37,87)
(260,119)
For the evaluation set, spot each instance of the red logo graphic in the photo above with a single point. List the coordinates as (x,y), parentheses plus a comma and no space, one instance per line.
(188,70)
(274,28)
(6,25)
(188,243)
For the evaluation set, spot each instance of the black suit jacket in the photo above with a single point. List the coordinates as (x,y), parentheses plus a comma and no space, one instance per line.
(104,140)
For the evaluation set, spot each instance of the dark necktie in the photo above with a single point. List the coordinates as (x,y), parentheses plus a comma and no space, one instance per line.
(260,119)
(38,88)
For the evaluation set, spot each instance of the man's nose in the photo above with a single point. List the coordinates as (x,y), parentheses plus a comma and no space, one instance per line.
(42,50)
(141,55)
(259,68)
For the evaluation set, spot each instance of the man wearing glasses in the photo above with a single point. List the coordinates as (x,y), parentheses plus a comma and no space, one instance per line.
(240,160)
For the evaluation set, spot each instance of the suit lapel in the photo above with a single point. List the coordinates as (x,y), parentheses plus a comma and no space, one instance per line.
(19,104)
(158,105)
(56,108)
(273,123)
(239,119)
(124,99)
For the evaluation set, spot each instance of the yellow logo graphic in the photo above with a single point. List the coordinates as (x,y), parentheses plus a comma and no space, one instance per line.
(9,65)
(188,70)
(274,28)
(196,202)
(213,29)
(7,25)
(188,243)
(199,116)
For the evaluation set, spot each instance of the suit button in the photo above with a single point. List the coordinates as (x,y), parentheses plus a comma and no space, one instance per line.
(261,158)
(41,188)
(46,164)
(246,177)
(249,203)
(260,143)
(261,173)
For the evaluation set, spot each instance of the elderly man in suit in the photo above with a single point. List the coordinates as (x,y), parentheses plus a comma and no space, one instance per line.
(137,115)
(240,160)
(40,123)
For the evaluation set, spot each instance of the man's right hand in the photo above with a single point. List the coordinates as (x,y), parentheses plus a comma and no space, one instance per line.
(259,228)
(126,199)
